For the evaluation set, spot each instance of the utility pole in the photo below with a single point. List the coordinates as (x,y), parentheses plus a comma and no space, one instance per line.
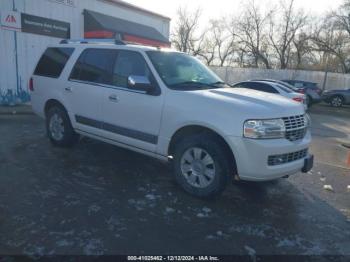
(325,73)
(16,57)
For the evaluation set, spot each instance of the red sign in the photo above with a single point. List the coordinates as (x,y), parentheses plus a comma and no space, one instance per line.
(10,20)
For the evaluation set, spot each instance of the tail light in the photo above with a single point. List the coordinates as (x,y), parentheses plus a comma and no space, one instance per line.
(298,99)
(31,84)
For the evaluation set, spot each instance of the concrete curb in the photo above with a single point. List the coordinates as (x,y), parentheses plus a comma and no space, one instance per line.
(16,110)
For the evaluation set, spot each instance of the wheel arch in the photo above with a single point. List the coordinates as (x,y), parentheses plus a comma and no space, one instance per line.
(192,129)
(53,102)
(338,95)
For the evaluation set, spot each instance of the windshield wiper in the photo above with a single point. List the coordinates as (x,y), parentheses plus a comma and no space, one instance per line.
(188,83)
(218,82)
(194,83)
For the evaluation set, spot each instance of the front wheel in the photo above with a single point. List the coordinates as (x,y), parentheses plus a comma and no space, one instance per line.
(201,166)
(59,128)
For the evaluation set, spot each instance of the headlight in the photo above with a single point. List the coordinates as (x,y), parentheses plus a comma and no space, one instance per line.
(264,129)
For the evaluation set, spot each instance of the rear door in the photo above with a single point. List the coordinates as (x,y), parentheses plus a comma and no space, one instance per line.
(48,78)
(89,76)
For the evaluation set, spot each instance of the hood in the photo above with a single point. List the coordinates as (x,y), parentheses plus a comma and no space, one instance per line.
(256,103)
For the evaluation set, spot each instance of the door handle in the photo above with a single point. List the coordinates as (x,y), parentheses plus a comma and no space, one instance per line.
(113,98)
(68,89)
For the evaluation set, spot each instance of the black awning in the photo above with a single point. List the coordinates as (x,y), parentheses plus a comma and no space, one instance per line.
(94,21)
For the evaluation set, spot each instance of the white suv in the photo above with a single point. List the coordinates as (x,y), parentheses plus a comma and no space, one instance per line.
(170,106)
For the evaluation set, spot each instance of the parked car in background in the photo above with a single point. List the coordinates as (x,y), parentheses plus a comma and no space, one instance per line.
(337,98)
(269,86)
(311,90)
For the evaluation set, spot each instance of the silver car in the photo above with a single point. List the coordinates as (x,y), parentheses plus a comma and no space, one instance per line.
(337,98)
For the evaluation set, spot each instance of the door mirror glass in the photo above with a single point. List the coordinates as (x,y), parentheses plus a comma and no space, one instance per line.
(139,83)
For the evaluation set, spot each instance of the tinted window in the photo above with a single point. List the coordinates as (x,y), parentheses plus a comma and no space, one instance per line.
(129,63)
(284,88)
(298,85)
(312,85)
(95,65)
(259,87)
(52,62)
(244,84)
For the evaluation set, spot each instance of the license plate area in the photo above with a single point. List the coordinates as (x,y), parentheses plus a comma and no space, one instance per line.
(308,164)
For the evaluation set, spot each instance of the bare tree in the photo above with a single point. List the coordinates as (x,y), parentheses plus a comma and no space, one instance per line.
(332,38)
(223,40)
(184,36)
(250,30)
(281,38)
(283,30)
(207,49)
(301,54)
(333,41)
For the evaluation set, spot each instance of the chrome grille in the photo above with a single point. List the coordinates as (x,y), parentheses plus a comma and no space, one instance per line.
(286,158)
(295,127)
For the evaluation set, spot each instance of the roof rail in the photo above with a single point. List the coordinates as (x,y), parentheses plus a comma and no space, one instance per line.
(92,41)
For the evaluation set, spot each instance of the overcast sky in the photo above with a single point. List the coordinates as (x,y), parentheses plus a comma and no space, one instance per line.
(217,8)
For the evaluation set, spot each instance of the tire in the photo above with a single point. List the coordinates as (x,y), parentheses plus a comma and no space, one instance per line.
(190,180)
(309,101)
(59,128)
(336,101)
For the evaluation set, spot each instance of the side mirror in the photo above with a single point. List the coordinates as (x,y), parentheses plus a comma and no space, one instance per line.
(141,83)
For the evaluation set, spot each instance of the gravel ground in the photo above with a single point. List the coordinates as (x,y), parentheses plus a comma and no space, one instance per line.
(99,199)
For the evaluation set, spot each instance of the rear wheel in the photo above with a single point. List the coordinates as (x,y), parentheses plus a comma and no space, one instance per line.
(336,101)
(201,166)
(59,128)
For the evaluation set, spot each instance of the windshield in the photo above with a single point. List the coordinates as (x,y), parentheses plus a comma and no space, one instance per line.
(182,71)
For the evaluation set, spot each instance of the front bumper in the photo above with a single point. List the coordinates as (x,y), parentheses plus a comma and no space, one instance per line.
(252,157)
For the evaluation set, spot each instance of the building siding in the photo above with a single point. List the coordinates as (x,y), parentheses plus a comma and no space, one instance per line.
(31,46)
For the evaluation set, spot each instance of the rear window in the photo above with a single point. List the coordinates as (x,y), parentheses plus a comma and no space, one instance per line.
(52,62)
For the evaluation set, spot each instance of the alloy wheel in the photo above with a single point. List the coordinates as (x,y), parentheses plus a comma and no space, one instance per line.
(198,167)
(56,127)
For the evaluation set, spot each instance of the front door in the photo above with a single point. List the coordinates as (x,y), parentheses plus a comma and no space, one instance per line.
(131,116)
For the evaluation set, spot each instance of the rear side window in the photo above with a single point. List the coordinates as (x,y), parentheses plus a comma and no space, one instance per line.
(260,87)
(52,62)
(285,89)
(95,65)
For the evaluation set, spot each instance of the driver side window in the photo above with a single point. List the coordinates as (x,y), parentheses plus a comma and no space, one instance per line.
(128,63)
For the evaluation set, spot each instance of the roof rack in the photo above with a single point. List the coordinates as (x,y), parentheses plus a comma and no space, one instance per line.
(93,41)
